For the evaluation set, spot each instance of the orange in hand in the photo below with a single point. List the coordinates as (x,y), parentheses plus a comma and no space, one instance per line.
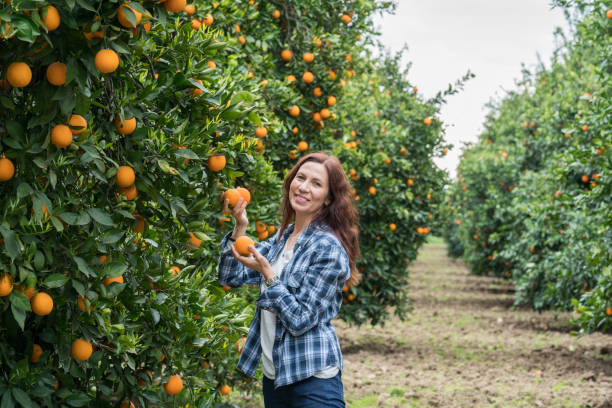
(242,245)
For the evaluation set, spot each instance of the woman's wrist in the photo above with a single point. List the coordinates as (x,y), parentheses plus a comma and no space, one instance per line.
(239,231)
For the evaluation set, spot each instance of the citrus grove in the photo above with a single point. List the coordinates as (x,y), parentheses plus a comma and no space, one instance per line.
(533,201)
(123,124)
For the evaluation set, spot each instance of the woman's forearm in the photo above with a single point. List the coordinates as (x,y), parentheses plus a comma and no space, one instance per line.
(239,230)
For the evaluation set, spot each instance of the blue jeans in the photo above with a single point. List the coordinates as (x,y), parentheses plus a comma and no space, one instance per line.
(312,392)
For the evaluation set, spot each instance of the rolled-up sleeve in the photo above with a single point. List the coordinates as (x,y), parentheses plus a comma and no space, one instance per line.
(324,279)
(234,274)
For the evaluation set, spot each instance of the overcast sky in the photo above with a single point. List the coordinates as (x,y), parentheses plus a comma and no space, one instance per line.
(489,37)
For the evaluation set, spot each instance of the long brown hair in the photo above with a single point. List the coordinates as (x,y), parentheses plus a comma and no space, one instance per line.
(340,215)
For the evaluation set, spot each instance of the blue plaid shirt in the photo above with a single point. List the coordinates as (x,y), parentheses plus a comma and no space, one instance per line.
(305,300)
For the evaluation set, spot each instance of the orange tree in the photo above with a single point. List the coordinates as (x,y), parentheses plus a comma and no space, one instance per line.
(117,137)
(533,196)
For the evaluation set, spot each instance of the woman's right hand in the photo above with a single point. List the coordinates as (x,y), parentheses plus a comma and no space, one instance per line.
(238,212)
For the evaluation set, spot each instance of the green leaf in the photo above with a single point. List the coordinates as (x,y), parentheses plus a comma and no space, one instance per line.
(23,190)
(22,397)
(100,217)
(78,286)
(166,168)
(111,237)
(155,315)
(86,5)
(254,118)
(231,114)
(55,280)
(19,315)
(10,242)
(72,69)
(186,153)
(20,301)
(78,399)
(83,267)
(114,269)
(15,129)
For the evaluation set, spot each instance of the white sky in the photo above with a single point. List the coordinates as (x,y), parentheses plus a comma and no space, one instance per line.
(492,38)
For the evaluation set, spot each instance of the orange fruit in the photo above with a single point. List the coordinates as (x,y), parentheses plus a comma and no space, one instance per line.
(290,78)
(262,235)
(308,57)
(295,130)
(141,382)
(308,77)
(61,136)
(609,309)
(125,176)
(372,190)
(242,245)
(585,127)
(585,178)
(108,281)
(392,227)
(293,154)
(81,304)
(127,127)
(244,193)
(208,19)
(106,61)
(427,121)
(174,385)
(52,18)
(317,117)
(261,132)
(239,345)
(196,24)
(197,91)
(242,41)
(81,349)
(42,304)
(225,389)
(56,73)
(140,224)
(325,113)
(294,111)
(19,74)
(174,6)
(123,19)
(233,195)
(317,92)
(195,241)
(6,285)
(78,122)
(609,15)
(28,291)
(216,163)
(211,64)
(286,55)
(130,193)
(302,146)
(36,353)
(7,169)
(190,9)
(127,404)
(387,161)
(260,226)
(175,270)
(345,19)
(276,14)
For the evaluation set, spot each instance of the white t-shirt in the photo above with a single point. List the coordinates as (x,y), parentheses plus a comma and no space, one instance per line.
(268,326)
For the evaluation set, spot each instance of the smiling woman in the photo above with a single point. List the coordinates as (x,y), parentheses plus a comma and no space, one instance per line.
(301,273)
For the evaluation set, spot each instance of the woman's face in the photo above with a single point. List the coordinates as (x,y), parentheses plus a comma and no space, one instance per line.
(309,189)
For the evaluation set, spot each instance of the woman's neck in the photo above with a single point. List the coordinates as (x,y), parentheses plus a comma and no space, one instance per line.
(301,223)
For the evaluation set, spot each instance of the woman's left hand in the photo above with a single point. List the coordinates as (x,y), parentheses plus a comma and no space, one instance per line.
(256,262)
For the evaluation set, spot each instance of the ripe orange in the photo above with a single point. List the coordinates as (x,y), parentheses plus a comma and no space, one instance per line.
(286,55)
(261,132)
(216,163)
(52,18)
(242,41)
(325,113)
(392,227)
(609,15)
(585,178)
(108,281)
(42,304)
(36,353)
(294,111)
(225,389)
(81,304)
(174,385)
(141,382)
(208,19)
(260,226)
(244,193)
(302,146)
(19,74)
(295,130)
(317,117)
(609,309)
(140,224)
(7,169)
(211,64)
(106,61)
(262,235)
(372,190)
(130,193)
(127,404)
(28,291)
(61,136)
(123,19)
(233,195)
(345,19)
(240,345)
(317,92)
(197,91)
(56,73)
(242,245)
(308,57)
(78,122)
(585,127)
(125,176)
(427,121)
(175,270)
(81,349)
(308,77)
(6,285)
(174,6)
(331,101)
(127,127)
(293,154)
(190,9)
(194,241)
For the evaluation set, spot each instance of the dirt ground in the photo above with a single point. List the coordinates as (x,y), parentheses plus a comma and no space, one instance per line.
(464,345)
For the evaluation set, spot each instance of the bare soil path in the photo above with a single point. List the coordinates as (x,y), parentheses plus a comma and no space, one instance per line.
(464,345)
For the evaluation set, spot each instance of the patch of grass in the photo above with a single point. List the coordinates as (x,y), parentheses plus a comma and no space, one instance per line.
(559,386)
(367,401)
(435,240)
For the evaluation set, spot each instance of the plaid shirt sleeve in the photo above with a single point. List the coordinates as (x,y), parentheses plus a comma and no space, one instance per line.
(302,309)
(234,274)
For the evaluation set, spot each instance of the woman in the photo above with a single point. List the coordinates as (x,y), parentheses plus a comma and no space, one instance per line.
(301,273)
